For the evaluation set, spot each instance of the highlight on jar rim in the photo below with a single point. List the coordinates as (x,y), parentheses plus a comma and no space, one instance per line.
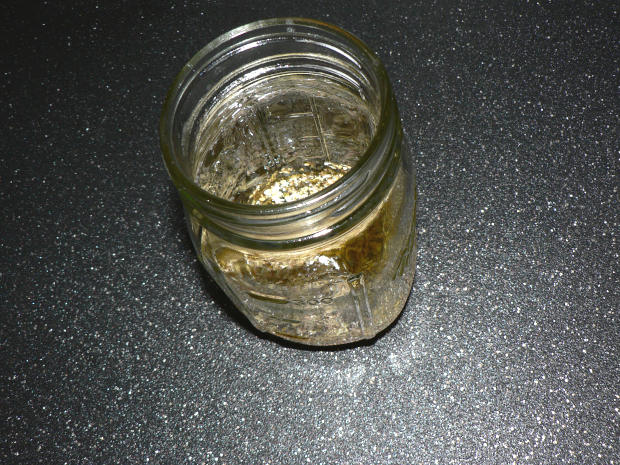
(284,141)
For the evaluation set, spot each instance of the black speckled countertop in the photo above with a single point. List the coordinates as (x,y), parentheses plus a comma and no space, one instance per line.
(117,348)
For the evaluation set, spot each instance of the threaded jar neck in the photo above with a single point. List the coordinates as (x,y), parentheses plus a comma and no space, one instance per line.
(263,49)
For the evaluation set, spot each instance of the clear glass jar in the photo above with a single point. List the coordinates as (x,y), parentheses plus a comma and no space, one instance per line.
(284,141)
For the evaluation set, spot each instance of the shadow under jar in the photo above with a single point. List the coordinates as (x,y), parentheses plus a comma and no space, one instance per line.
(284,141)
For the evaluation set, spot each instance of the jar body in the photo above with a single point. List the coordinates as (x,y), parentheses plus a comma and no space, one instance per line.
(341,290)
(284,141)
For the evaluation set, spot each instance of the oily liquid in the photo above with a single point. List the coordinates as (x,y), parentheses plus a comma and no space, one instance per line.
(282,140)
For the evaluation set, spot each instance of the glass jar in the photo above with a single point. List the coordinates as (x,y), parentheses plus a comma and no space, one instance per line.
(284,141)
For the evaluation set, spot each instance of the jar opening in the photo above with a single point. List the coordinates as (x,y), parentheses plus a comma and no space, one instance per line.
(282,137)
(276,116)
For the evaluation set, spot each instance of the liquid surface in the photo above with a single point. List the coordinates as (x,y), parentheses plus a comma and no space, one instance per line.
(281,139)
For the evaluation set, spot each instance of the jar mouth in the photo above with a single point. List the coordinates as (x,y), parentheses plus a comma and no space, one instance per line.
(218,49)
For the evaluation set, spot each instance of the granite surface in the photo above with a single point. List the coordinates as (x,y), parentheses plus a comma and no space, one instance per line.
(116,347)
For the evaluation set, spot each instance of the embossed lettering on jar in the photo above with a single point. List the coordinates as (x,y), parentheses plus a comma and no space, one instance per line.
(284,141)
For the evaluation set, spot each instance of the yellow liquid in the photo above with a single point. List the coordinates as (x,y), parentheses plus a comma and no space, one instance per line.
(346,288)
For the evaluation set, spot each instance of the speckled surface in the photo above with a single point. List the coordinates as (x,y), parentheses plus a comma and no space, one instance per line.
(117,348)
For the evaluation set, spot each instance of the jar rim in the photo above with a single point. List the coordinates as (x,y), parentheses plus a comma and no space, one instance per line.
(190,71)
